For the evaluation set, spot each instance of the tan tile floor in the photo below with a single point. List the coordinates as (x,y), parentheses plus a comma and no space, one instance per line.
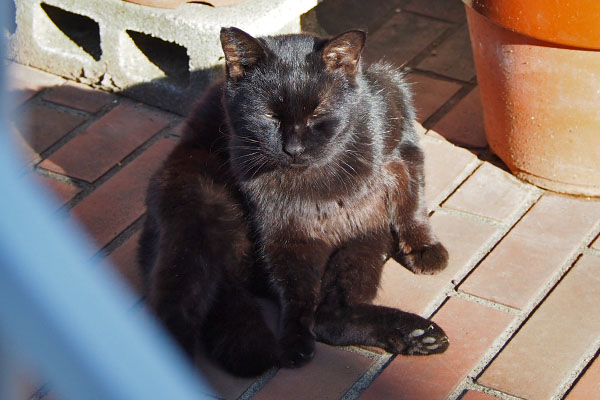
(519,299)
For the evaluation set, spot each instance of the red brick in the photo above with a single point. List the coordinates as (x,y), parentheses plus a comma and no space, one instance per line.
(91,154)
(449,10)
(471,327)
(339,16)
(554,340)
(41,126)
(534,251)
(463,125)
(24,82)
(446,166)
(63,192)
(490,192)
(332,372)
(402,37)
(473,395)
(120,201)
(466,240)
(79,96)
(453,57)
(124,259)
(430,94)
(589,384)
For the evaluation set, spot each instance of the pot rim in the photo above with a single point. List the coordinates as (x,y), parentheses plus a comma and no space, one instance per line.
(577,24)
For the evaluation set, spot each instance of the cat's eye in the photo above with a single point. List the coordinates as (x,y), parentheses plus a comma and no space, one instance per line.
(271,116)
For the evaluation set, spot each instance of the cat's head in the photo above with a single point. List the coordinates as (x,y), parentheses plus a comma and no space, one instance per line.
(289,98)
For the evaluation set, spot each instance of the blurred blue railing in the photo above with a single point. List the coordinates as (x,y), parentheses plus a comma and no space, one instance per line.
(63,317)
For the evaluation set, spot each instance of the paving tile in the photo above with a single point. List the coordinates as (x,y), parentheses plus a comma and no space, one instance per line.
(62,191)
(466,239)
(449,10)
(453,57)
(337,16)
(120,201)
(562,331)
(471,327)
(124,259)
(79,96)
(474,395)
(446,166)
(328,376)
(41,126)
(463,124)
(589,385)
(27,156)
(492,193)
(223,384)
(533,252)
(24,82)
(430,93)
(402,37)
(91,154)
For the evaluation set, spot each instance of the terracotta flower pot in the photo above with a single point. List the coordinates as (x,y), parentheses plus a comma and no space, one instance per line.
(538,68)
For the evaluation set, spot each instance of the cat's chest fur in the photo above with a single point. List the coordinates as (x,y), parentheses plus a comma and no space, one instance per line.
(294,214)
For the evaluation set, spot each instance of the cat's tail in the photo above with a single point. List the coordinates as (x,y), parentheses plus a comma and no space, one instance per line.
(236,335)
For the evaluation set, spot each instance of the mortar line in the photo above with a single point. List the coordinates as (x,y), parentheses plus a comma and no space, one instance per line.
(445,108)
(581,373)
(438,76)
(258,384)
(577,373)
(363,383)
(474,386)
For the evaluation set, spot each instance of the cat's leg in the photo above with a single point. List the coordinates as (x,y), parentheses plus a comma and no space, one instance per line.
(199,233)
(417,248)
(296,268)
(391,329)
(346,317)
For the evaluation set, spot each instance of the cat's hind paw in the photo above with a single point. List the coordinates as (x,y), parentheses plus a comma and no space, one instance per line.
(427,260)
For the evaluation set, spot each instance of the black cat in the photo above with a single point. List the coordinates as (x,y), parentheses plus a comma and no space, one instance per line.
(297,177)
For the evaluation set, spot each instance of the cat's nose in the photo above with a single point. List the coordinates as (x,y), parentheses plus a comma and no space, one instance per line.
(293,147)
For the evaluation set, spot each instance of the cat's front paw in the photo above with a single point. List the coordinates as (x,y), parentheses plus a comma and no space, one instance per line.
(428,260)
(296,349)
(420,337)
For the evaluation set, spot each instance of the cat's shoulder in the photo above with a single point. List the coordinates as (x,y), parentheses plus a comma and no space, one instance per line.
(387,75)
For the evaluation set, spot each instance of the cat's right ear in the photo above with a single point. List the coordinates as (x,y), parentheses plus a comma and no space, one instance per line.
(342,53)
(242,51)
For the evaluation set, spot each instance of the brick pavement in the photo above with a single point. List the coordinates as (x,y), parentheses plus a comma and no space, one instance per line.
(519,298)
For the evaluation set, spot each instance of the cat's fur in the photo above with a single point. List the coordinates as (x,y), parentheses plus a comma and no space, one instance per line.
(297,177)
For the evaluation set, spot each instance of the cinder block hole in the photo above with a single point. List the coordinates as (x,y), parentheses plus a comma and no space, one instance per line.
(169,57)
(11,20)
(84,31)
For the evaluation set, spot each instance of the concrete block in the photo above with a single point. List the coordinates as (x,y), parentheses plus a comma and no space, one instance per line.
(164,57)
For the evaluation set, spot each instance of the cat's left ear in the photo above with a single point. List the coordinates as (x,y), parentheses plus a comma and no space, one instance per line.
(343,52)
(242,51)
